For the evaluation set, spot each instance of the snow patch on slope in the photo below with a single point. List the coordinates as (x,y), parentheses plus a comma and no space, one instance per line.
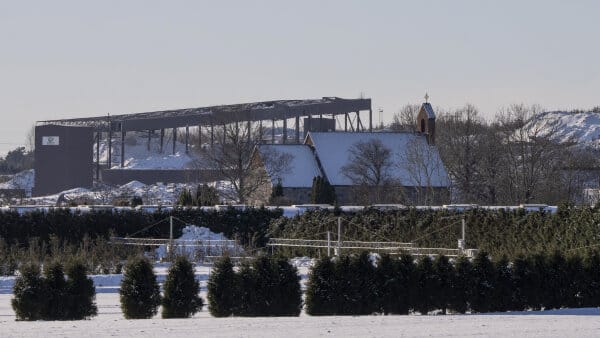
(580,127)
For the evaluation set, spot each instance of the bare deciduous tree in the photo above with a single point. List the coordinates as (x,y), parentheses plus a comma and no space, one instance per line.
(230,157)
(406,118)
(422,163)
(370,168)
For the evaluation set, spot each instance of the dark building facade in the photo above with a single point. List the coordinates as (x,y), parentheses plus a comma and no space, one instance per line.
(63,158)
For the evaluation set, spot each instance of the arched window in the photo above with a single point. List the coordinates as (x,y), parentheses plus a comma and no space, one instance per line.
(422,125)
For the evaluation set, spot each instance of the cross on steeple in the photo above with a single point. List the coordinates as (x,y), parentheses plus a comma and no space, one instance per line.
(426,97)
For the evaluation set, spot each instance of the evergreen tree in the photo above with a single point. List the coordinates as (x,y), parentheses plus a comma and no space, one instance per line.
(426,284)
(276,192)
(139,293)
(222,288)
(591,289)
(387,284)
(521,278)
(484,283)
(575,277)
(206,196)
(185,198)
(536,289)
(264,286)
(322,191)
(245,292)
(135,201)
(444,272)
(503,292)
(81,292)
(407,284)
(56,304)
(462,285)
(287,296)
(321,289)
(180,299)
(29,293)
(555,290)
(363,285)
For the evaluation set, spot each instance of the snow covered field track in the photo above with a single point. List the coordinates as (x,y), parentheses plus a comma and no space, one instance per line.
(110,323)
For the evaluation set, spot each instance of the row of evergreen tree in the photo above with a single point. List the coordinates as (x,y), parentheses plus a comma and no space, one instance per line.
(52,297)
(356,285)
(265,287)
(499,232)
(248,226)
(140,293)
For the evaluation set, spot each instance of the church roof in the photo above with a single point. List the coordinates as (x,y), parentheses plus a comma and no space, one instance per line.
(428,109)
(302,164)
(333,150)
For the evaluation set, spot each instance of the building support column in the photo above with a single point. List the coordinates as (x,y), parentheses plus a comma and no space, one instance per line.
(249,136)
(187,139)
(260,132)
(212,135)
(298,129)
(345,121)
(109,139)
(273,131)
(284,140)
(98,136)
(123,132)
(174,140)
(370,120)
(162,139)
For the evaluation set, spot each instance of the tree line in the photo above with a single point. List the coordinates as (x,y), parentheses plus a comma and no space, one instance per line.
(499,232)
(508,159)
(355,285)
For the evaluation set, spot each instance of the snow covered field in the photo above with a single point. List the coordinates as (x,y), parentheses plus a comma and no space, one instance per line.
(110,322)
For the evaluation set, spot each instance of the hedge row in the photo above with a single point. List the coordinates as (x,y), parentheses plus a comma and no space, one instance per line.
(248,226)
(266,287)
(353,285)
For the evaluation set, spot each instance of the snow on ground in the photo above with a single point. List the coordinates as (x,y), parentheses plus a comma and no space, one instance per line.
(156,194)
(110,322)
(580,127)
(22,180)
(138,156)
(199,242)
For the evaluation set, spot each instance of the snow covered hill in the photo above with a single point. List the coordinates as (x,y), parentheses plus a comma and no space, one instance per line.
(582,128)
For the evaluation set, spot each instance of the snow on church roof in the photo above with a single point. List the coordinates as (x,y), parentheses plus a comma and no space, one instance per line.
(301,169)
(333,148)
(428,110)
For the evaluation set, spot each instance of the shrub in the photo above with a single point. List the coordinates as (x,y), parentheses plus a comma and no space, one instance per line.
(185,198)
(484,282)
(321,289)
(55,306)
(139,293)
(181,290)
(80,291)
(426,286)
(206,196)
(444,272)
(29,292)
(286,297)
(222,288)
(461,285)
(135,201)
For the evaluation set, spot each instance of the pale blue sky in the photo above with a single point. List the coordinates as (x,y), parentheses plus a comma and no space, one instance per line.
(61,59)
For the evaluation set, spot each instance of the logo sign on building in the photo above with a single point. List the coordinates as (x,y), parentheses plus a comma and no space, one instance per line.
(50,141)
